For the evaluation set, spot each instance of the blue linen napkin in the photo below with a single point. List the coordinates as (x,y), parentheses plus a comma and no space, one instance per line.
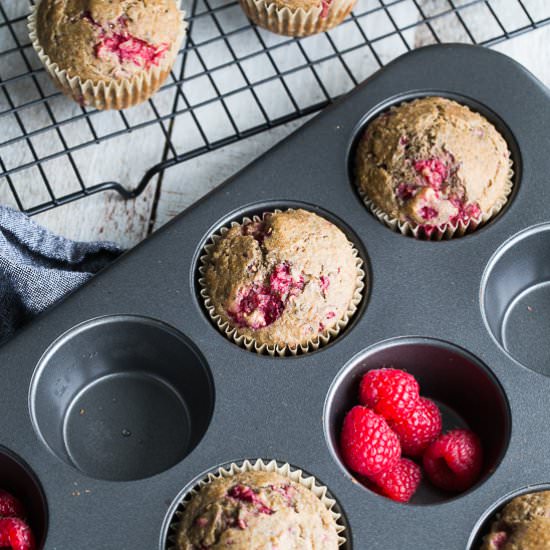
(37,268)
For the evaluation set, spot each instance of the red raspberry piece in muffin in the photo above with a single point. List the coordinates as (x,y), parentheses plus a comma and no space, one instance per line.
(420,428)
(367,443)
(393,393)
(453,462)
(398,483)
(433,171)
(246,494)
(16,534)
(261,305)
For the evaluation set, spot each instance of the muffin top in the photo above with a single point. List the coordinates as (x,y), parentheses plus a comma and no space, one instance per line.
(98,40)
(523,524)
(259,510)
(283,280)
(433,161)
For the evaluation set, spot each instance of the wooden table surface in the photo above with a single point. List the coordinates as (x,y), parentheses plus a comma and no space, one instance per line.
(107,217)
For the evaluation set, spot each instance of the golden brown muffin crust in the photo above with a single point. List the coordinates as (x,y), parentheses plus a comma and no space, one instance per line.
(432,161)
(101,40)
(523,524)
(285,280)
(256,510)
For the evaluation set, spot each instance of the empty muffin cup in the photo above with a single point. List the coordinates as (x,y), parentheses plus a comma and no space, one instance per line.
(516,298)
(122,397)
(466,392)
(176,511)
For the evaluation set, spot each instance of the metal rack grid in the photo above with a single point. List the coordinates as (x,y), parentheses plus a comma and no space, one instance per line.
(232,80)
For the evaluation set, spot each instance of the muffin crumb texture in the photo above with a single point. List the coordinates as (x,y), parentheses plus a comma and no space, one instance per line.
(523,524)
(283,280)
(432,162)
(97,40)
(260,510)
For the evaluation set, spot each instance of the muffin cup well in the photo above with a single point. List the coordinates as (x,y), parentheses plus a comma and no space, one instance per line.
(103,95)
(121,397)
(298,22)
(465,390)
(445,230)
(249,343)
(285,470)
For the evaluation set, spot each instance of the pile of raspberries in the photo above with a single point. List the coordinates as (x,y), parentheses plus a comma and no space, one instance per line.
(392,420)
(14,530)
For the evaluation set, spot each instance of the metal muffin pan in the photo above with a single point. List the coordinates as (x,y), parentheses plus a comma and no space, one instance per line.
(125,393)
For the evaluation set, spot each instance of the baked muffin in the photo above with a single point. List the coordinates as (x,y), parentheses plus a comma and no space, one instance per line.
(257,510)
(110,55)
(433,163)
(297,17)
(523,524)
(282,281)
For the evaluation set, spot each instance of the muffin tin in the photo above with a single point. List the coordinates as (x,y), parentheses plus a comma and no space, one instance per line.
(125,393)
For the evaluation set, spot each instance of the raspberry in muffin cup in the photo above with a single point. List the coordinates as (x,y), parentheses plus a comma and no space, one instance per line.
(433,169)
(108,55)
(255,504)
(285,283)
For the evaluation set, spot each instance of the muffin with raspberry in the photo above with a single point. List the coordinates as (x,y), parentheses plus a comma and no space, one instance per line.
(110,55)
(256,509)
(524,523)
(297,17)
(288,281)
(433,168)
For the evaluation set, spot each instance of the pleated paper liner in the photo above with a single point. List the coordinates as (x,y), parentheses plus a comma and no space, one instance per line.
(285,470)
(250,344)
(299,22)
(111,94)
(444,231)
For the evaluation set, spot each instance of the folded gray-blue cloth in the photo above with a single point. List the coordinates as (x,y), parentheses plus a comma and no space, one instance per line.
(37,268)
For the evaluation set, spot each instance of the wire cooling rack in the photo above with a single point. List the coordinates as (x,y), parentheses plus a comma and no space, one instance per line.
(231,81)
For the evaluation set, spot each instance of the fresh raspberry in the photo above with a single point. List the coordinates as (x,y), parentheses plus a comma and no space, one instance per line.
(10,507)
(400,482)
(16,534)
(420,428)
(393,393)
(367,443)
(453,462)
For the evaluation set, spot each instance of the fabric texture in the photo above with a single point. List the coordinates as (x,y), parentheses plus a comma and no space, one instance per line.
(37,268)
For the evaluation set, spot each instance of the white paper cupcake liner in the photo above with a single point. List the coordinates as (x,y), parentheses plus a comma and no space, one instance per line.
(300,22)
(250,344)
(284,469)
(112,94)
(444,231)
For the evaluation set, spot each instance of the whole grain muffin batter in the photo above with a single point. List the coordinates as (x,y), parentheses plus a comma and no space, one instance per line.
(284,280)
(523,524)
(98,40)
(432,161)
(259,511)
